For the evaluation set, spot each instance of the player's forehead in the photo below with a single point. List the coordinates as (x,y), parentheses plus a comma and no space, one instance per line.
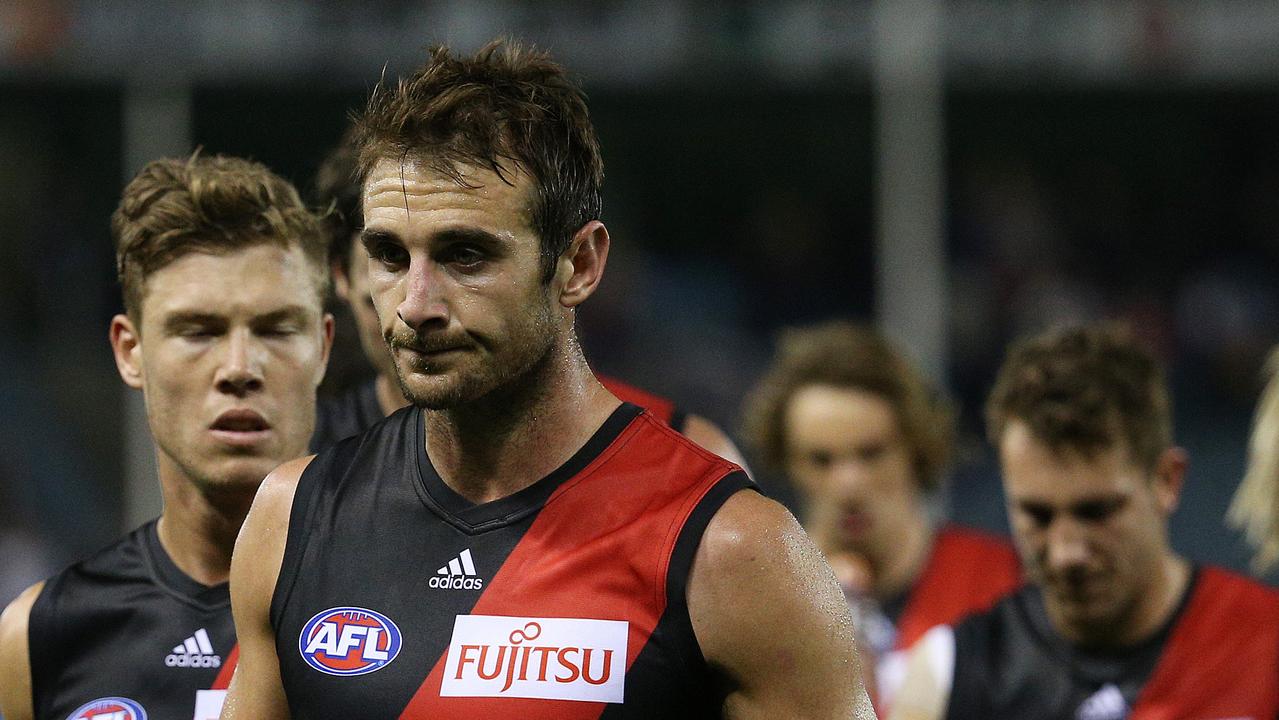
(1035,469)
(259,279)
(409,198)
(837,415)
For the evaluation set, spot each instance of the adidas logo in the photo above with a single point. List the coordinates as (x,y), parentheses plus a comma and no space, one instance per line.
(194,652)
(1105,704)
(459,574)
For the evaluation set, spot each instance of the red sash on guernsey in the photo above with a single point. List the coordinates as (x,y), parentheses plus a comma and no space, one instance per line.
(967,572)
(1222,658)
(616,528)
(660,407)
(223,680)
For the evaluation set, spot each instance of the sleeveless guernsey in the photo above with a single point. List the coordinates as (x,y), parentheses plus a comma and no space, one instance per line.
(399,598)
(125,634)
(1216,658)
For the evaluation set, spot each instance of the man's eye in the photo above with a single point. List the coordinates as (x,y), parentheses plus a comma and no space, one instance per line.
(1096,511)
(388,254)
(820,460)
(278,331)
(466,256)
(1041,517)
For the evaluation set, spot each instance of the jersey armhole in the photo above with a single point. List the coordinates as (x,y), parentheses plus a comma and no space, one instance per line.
(43,638)
(304,499)
(681,562)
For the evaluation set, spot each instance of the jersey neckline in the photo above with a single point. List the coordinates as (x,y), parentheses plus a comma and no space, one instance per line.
(169,576)
(472,518)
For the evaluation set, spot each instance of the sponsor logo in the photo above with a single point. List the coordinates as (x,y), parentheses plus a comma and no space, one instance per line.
(111,708)
(194,652)
(548,658)
(349,641)
(459,574)
(1106,704)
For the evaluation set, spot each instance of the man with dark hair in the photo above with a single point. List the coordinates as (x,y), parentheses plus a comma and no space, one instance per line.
(355,410)
(1113,623)
(223,274)
(517,543)
(865,441)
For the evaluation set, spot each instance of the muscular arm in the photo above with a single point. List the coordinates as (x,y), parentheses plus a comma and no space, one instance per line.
(15,659)
(710,436)
(256,692)
(770,619)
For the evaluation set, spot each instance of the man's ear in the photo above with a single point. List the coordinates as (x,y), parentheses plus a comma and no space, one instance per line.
(341,282)
(580,268)
(327,348)
(1170,477)
(126,345)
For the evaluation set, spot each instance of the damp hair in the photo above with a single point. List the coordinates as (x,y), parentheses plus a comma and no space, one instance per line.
(1084,389)
(508,109)
(848,356)
(211,204)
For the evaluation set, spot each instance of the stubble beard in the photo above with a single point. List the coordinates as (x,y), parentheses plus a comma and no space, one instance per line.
(478,378)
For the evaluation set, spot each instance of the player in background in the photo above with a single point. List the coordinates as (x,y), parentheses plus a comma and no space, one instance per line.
(1112,624)
(865,441)
(353,411)
(616,568)
(223,273)
(1255,508)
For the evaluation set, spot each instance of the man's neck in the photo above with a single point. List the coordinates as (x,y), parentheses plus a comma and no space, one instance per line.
(1153,608)
(389,397)
(898,570)
(198,533)
(515,436)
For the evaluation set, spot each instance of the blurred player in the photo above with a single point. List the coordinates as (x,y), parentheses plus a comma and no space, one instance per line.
(1256,505)
(223,274)
(865,442)
(1112,624)
(356,410)
(518,543)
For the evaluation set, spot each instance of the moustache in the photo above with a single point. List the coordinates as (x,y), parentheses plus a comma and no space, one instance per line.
(432,343)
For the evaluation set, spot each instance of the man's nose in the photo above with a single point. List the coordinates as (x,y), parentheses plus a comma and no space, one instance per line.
(240,371)
(1067,544)
(424,301)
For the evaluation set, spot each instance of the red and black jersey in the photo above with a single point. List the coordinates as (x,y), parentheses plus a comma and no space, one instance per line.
(126,634)
(967,572)
(399,598)
(1216,658)
(661,408)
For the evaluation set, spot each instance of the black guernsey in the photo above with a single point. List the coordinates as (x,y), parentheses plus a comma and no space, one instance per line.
(1011,664)
(127,632)
(398,598)
(338,417)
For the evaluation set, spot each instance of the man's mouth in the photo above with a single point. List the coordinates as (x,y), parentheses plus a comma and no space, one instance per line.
(240,427)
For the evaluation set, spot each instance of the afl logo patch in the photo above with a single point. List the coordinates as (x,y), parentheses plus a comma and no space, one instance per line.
(112,708)
(349,641)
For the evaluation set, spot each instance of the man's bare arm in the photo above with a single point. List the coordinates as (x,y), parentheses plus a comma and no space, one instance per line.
(711,437)
(15,657)
(770,619)
(256,692)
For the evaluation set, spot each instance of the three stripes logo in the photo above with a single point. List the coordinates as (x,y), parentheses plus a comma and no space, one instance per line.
(194,652)
(458,574)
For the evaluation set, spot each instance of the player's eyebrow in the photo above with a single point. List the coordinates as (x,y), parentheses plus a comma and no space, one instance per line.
(288,312)
(186,318)
(371,237)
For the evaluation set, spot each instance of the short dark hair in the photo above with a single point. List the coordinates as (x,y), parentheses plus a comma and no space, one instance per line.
(336,192)
(211,204)
(506,106)
(843,355)
(1082,389)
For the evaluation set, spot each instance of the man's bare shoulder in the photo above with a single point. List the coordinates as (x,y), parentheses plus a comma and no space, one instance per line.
(15,660)
(769,617)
